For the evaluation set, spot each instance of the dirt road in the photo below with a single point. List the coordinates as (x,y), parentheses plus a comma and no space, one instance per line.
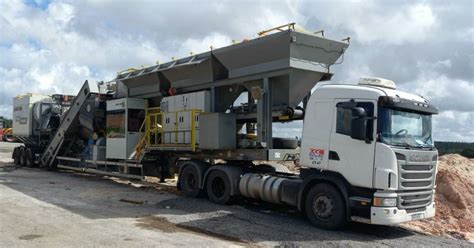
(56,209)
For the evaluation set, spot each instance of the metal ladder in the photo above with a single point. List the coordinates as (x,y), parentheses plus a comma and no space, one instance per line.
(49,155)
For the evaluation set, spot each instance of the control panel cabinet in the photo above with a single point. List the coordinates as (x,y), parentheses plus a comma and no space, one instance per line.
(196,100)
(178,117)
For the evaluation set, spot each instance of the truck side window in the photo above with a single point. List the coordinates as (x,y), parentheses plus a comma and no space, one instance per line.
(343,123)
(344,117)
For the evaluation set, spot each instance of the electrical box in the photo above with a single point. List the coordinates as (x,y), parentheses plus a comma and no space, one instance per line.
(167,104)
(169,122)
(124,119)
(200,100)
(217,131)
(178,117)
(169,128)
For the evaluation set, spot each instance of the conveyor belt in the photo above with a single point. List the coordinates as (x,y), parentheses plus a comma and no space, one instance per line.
(51,151)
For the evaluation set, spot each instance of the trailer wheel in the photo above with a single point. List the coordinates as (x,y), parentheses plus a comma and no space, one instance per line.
(16,159)
(218,187)
(325,207)
(29,158)
(189,181)
(22,156)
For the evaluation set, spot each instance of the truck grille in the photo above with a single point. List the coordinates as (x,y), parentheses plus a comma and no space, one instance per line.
(414,200)
(416,176)
(417,180)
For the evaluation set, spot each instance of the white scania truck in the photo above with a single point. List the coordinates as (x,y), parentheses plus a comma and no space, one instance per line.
(379,139)
(366,152)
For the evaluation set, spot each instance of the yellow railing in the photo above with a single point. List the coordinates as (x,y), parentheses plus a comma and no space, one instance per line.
(154,126)
(153,131)
(289,26)
(144,140)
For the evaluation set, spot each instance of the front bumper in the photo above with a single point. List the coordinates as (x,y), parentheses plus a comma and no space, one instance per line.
(393,215)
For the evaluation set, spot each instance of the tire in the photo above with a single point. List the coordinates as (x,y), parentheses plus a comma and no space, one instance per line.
(15,156)
(285,143)
(189,181)
(325,207)
(22,156)
(29,158)
(218,187)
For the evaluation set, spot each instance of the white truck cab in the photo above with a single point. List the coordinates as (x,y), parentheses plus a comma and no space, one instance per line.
(379,142)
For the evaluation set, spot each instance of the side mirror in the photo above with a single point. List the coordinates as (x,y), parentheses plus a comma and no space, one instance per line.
(359,124)
(358,112)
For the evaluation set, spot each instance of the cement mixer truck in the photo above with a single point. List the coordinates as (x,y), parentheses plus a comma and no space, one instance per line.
(366,152)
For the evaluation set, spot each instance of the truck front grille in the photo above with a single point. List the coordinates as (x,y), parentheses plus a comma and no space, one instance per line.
(417,180)
(412,167)
(416,176)
(414,200)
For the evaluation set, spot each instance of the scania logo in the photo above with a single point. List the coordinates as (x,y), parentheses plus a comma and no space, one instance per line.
(419,157)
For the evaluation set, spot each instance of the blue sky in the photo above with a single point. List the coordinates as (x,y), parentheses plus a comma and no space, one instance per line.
(42,4)
(426,47)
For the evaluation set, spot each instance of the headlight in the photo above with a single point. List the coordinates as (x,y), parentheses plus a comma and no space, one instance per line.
(385,202)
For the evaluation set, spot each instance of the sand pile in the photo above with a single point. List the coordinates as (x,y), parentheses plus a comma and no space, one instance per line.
(454,200)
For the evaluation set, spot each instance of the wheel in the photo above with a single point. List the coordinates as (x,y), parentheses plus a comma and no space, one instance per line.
(16,158)
(218,187)
(325,207)
(189,181)
(285,143)
(22,156)
(29,158)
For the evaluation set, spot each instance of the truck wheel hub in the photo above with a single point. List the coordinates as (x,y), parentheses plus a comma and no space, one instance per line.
(323,206)
(191,181)
(218,187)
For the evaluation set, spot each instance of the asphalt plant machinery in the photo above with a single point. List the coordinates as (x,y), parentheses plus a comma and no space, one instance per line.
(272,76)
(210,116)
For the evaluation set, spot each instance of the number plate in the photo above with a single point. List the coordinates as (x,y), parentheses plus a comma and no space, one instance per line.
(417,216)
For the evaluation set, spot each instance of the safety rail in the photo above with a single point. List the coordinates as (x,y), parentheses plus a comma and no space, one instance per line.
(289,26)
(153,132)
(143,141)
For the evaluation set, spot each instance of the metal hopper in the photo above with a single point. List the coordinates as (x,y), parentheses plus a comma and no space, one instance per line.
(293,61)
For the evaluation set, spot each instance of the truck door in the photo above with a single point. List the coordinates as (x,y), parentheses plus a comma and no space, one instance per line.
(353,158)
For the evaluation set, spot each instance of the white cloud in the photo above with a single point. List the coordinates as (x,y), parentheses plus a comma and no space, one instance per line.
(446,93)
(215,40)
(453,97)
(412,24)
(443,125)
(372,21)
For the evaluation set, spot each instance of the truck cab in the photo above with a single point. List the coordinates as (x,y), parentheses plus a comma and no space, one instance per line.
(378,140)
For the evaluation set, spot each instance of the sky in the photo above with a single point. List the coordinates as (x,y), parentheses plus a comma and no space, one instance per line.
(426,47)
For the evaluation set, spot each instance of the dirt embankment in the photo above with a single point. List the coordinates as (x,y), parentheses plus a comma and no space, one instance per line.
(454,200)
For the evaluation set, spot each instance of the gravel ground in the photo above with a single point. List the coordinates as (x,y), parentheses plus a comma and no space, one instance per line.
(50,209)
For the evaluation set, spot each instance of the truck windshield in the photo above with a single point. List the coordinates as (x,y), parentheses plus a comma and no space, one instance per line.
(403,128)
